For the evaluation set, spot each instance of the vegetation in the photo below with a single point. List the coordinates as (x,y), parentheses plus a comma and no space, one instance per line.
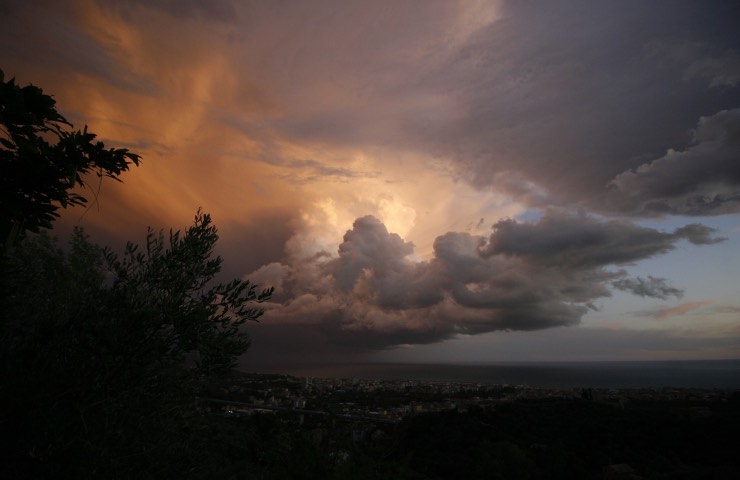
(101,356)
(43,159)
(569,439)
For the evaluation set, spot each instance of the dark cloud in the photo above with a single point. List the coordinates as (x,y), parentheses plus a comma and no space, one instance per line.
(626,109)
(718,69)
(262,235)
(368,247)
(554,103)
(703,179)
(650,287)
(588,343)
(577,241)
(215,10)
(525,276)
(49,33)
(698,234)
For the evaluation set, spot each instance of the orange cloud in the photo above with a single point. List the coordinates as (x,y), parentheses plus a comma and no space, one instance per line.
(664,313)
(162,90)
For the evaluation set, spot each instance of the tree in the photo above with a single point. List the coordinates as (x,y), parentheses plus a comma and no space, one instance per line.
(101,357)
(43,160)
(164,287)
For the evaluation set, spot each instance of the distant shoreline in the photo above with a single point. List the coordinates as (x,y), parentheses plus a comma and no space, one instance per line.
(563,374)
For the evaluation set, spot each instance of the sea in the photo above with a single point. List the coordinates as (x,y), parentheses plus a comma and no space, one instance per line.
(706,374)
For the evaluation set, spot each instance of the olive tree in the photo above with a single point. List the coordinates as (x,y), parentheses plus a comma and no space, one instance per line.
(102,356)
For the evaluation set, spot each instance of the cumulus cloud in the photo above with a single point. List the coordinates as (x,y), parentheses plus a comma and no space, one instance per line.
(289,120)
(373,293)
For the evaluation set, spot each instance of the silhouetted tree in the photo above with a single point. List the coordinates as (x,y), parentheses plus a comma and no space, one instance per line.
(101,357)
(43,160)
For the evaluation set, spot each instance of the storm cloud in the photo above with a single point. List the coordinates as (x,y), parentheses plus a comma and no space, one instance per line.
(554,104)
(579,241)
(703,179)
(372,293)
(500,165)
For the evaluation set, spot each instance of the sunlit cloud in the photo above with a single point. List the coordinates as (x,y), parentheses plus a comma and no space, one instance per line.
(668,312)
(373,293)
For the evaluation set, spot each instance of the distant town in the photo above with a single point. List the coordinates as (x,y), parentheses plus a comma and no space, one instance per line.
(390,401)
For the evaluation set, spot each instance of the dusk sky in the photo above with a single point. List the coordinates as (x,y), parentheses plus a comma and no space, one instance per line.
(423,181)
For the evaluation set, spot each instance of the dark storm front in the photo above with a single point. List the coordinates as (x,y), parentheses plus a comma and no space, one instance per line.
(645,374)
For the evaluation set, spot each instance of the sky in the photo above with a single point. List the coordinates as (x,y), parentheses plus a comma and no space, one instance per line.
(423,181)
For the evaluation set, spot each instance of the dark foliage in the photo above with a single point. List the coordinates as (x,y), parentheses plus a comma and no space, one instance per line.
(569,439)
(101,358)
(43,159)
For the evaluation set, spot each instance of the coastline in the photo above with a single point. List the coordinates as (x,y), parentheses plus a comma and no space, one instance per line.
(602,374)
